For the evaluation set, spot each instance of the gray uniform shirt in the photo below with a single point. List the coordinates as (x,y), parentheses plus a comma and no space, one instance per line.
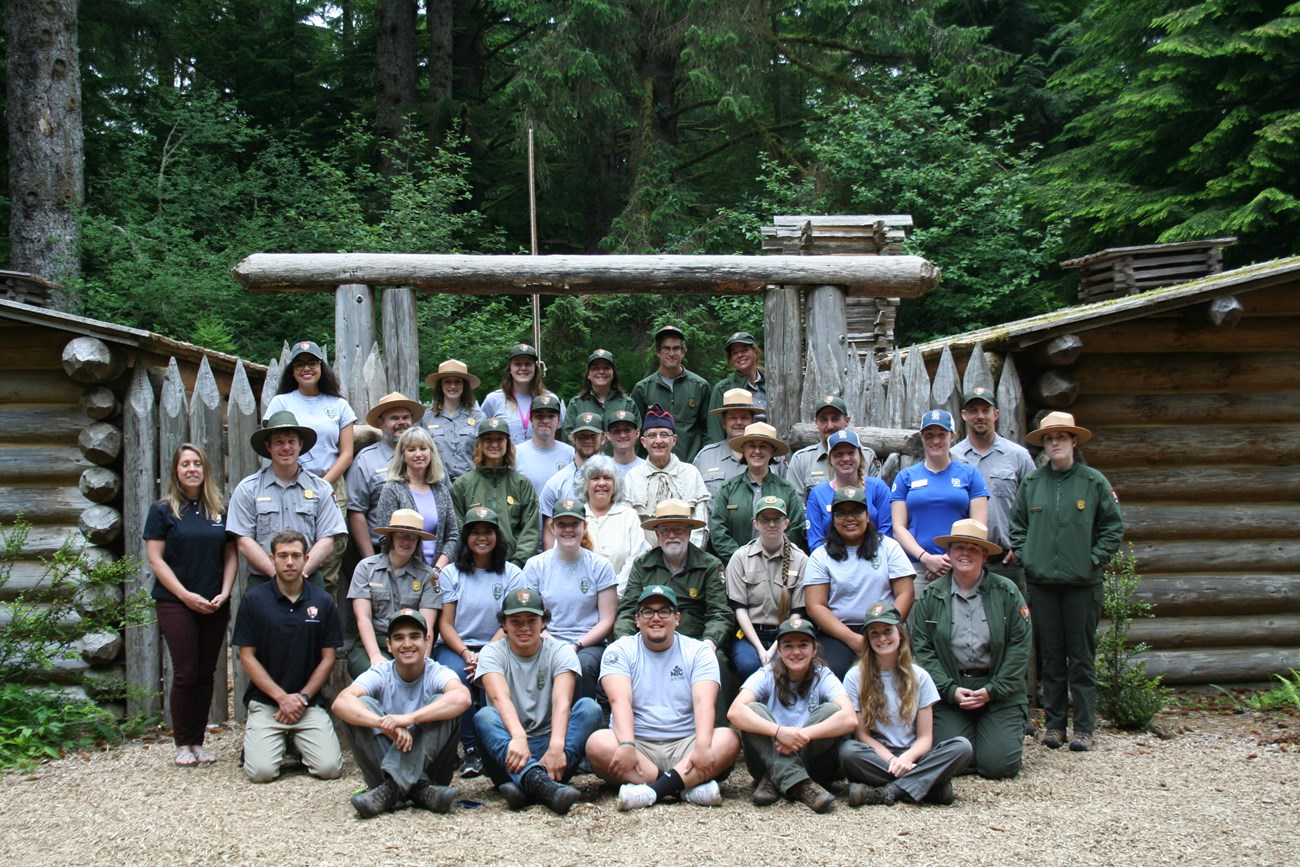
(716,464)
(971,641)
(810,466)
(263,505)
(531,679)
(365,479)
(1002,467)
(389,590)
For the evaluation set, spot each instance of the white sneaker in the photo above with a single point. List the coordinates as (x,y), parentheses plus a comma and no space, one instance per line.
(632,796)
(705,794)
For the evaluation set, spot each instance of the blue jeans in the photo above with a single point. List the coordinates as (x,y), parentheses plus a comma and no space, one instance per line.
(744,658)
(444,655)
(584,718)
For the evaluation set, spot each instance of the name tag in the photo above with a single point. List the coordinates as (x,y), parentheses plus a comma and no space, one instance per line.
(264,499)
(713,469)
(815,473)
(918,483)
(434,426)
(731,507)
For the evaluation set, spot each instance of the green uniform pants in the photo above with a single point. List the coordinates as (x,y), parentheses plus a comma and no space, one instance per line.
(1065,627)
(819,760)
(996,734)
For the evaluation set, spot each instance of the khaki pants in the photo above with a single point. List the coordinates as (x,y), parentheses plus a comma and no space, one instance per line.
(266,739)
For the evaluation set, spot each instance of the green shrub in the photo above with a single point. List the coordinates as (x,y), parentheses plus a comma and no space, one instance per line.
(1125,695)
(40,724)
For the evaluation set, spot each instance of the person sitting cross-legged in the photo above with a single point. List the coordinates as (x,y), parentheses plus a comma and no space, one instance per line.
(533,735)
(662,688)
(403,718)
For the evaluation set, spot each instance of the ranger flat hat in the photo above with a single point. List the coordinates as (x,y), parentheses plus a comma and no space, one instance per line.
(394,400)
(406,521)
(1057,422)
(968,530)
(737,398)
(281,421)
(672,512)
(452,367)
(760,432)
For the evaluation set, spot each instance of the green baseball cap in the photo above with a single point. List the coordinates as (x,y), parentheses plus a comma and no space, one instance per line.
(588,421)
(493,425)
(622,416)
(797,624)
(770,504)
(546,402)
(658,590)
(522,349)
(523,601)
(569,508)
(480,515)
(410,614)
(881,612)
(743,337)
(979,392)
(601,355)
(833,402)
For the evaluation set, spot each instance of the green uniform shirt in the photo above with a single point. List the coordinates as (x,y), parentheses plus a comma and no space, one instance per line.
(701,595)
(688,401)
(1009,637)
(731,519)
(1065,526)
(512,497)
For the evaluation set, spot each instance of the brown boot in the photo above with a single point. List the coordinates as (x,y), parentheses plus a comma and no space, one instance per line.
(818,799)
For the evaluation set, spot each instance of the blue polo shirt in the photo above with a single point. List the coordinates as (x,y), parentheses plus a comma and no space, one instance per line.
(287,637)
(936,500)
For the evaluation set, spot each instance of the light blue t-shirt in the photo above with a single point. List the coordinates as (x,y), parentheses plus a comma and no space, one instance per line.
(895,733)
(495,405)
(569,590)
(825,687)
(478,598)
(663,708)
(538,466)
(382,683)
(558,487)
(324,414)
(530,679)
(855,583)
(935,501)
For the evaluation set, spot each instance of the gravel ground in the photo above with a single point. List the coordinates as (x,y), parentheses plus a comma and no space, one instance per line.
(1213,787)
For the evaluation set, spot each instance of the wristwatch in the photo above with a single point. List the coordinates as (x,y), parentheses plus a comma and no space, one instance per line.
(305,697)
(577,644)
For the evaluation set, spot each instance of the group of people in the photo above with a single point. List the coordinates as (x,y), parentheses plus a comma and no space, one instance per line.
(545,588)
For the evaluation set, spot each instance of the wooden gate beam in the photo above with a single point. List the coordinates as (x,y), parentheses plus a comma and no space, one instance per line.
(875,276)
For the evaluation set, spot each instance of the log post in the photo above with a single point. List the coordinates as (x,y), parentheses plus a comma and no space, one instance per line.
(978,373)
(1224,312)
(1011,403)
(918,388)
(101,443)
(205,431)
(1056,388)
(91,360)
(782,340)
(827,314)
(241,421)
(142,640)
(946,390)
(812,385)
(271,382)
(896,395)
(874,393)
(401,340)
(99,403)
(173,422)
(883,441)
(855,393)
(354,332)
(375,376)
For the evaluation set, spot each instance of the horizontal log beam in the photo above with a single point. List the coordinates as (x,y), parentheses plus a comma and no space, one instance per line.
(1267,407)
(882,440)
(1220,665)
(1205,484)
(878,276)
(1253,593)
(1183,334)
(1199,556)
(1272,630)
(49,464)
(1195,373)
(38,386)
(1195,445)
(46,425)
(44,505)
(1211,521)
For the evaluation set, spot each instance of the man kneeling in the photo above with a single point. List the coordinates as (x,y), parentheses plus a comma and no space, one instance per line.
(533,735)
(662,688)
(403,718)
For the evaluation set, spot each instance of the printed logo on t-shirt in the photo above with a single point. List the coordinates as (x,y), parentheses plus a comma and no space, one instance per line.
(677,673)
(956,483)
(541,680)
(610,658)
(496,592)
(585,586)
(312,611)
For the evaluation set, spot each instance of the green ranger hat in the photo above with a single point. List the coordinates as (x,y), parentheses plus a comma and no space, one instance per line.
(523,601)
(493,425)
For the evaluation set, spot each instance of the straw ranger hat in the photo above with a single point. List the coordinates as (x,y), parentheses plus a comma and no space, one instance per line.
(969,530)
(406,521)
(760,432)
(452,367)
(1058,422)
(672,512)
(394,400)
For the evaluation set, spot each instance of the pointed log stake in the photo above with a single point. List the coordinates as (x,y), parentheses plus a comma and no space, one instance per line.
(978,374)
(173,420)
(855,397)
(876,411)
(401,341)
(918,388)
(812,385)
(142,641)
(272,381)
(782,340)
(241,421)
(1011,403)
(896,396)
(878,276)
(946,391)
(354,332)
(376,375)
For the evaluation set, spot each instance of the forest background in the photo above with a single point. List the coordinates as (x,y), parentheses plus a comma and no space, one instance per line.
(1016,132)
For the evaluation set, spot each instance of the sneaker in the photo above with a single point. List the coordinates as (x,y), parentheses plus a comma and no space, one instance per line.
(941,794)
(862,795)
(515,797)
(380,799)
(1082,742)
(765,793)
(435,799)
(704,795)
(633,796)
(1053,739)
(473,766)
(818,799)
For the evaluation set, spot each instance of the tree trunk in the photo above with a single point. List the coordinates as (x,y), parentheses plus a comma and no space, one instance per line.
(394,80)
(46,186)
(439,20)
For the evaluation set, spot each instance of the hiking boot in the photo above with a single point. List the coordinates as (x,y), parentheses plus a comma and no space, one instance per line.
(380,799)
(941,794)
(704,795)
(1053,739)
(1082,742)
(862,795)
(435,799)
(473,766)
(633,796)
(818,799)
(1031,730)
(558,797)
(515,797)
(765,793)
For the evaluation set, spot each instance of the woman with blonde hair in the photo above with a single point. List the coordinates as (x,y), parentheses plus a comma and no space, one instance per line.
(193,562)
(893,757)
(417,480)
(452,419)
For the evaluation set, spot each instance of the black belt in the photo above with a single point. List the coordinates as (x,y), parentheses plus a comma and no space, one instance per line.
(974,672)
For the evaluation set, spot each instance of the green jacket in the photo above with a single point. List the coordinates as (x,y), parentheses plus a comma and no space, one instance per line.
(701,595)
(715,432)
(512,497)
(578,405)
(731,513)
(688,402)
(1009,638)
(1066,526)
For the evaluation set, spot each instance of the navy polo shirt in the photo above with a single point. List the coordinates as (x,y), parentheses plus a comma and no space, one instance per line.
(287,636)
(194,546)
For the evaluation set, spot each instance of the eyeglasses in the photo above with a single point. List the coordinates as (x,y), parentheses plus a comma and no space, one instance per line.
(658,435)
(313,362)
(657,613)
(770,519)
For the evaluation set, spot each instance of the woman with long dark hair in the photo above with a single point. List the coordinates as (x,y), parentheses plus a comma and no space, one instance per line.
(521,381)
(193,562)
(601,393)
(792,714)
(494,483)
(893,757)
(854,567)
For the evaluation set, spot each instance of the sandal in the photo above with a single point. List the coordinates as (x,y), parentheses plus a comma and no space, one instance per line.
(203,756)
(185,758)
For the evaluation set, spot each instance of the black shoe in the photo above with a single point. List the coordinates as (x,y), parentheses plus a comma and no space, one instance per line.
(435,799)
(557,796)
(1053,739)
(941,794)
(473,766)
(380,799)
(515,797)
